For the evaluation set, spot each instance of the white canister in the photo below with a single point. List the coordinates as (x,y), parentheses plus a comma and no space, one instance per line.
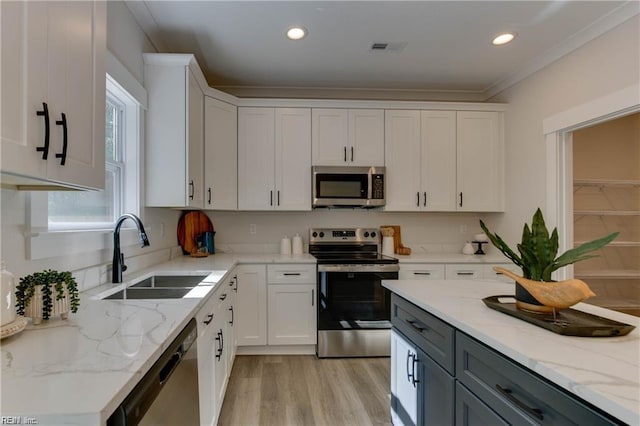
(296,244)
(468,248)
(285,245)
(387,246)
(7,297)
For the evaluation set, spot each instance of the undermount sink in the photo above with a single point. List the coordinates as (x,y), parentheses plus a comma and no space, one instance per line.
(172,281)
(160,287)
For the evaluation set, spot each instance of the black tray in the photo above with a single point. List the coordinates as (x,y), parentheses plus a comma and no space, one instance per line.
(568,322)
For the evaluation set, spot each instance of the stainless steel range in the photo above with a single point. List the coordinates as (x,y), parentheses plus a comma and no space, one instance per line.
(354,310)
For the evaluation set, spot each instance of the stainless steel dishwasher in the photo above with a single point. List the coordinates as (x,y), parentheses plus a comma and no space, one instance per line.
(168,393)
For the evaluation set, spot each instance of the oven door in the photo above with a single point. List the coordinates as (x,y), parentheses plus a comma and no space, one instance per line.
(353,297)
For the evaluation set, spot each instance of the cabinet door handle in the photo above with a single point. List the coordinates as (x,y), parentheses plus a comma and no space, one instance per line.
(422,273)
(209,319)
(63,155)
(508,393)
(223,296)
(461,199)
(288,274)
(351,154)
(220,341)
(420,327)
(313,297)
(231,309)
(278,196)
(44,113)
(345,154)
(414,378)
(209,199)
(235,281)
(465,273)
(192,189)
(408,358)
(271,197)
(418,199)
(425,199)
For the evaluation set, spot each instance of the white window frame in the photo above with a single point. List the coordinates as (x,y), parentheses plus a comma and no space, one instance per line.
(42,242)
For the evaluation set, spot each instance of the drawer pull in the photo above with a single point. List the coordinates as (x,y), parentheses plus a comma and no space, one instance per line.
(209,319)
(465,273)
(290,274)
(223,296)
(508,393)
(422,273)
(417,325)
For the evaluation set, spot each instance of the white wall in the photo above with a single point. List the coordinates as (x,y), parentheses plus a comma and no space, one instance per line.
(607,64)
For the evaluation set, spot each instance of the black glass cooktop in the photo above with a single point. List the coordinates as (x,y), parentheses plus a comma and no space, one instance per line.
(353,258)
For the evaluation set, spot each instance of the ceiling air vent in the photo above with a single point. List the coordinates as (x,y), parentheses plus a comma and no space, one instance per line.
(388,47)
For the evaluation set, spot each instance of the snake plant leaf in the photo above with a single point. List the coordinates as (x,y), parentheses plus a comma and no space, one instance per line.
(578,253)
(541,243)
(533,270)
(502,246)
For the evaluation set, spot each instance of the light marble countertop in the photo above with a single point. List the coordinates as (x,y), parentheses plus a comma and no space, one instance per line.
(77,371)
(451,258)
(603,371)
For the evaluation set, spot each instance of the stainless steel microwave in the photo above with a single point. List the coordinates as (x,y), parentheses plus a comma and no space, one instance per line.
(335,186)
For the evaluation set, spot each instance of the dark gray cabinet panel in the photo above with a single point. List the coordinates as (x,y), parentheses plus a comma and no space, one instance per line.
(432,335)
(435,393)
(519,396)
(470,411)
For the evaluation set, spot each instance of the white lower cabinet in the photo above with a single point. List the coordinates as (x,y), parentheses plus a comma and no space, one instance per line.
(252,305)
(464,271)
(404,392)
(291,304)
(216,350)
(455,271)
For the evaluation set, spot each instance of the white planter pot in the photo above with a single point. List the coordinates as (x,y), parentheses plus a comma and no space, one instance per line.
(59,307)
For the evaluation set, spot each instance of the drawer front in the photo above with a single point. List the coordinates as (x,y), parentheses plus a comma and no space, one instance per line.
(471,411)
(431,335)
(291,274)
(421,272)
(463,272)
(518,395)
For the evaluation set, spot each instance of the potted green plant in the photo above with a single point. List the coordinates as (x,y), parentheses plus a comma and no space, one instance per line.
(42,295)
(538,256)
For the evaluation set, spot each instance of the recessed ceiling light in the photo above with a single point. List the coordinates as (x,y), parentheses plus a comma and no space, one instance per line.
(503,38)
(296,33)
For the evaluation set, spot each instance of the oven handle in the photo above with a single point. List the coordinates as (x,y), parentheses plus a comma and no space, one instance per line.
(391,267)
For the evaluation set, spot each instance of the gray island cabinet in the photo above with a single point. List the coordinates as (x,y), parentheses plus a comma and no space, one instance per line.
(441,375)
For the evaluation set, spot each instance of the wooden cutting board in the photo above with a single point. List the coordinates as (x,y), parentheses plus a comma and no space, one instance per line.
(190,225)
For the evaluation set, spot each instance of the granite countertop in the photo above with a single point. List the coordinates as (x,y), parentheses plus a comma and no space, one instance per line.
(77,371)
(602,371)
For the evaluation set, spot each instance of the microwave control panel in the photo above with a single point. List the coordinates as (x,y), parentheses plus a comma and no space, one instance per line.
(377,187)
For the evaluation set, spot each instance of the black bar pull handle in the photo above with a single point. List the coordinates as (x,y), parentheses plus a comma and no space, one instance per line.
(271,197)
(291,274)
(418,199)
(352,154)
(422,273)
(223,296)
(63,155)
(231,309)
(345,154)
(44,113)
(209,199)
(415,379)
(460,199)
(420,327)
(209,319)
(278,197)
(425,199)
(313,297)
(508,393)
(408,373)
(192,189)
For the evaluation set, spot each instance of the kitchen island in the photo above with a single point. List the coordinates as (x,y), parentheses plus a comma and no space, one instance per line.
(604,372)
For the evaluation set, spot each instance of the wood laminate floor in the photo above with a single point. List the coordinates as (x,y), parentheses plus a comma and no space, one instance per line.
(304,390)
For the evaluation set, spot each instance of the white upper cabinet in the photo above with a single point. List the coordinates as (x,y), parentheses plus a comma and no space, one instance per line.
(274,159)
(444,160)
(480,153)
(53,94)
(347,137)
(175,132)
(220,155)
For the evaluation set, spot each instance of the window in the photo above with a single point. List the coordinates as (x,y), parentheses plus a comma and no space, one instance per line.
(100,209)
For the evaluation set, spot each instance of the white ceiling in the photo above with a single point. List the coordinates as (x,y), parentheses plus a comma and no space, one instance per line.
(448,43)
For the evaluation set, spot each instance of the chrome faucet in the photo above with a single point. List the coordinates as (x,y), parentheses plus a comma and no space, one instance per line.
(118,266)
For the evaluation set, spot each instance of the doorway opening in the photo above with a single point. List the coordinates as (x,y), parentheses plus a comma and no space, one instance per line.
(606,198)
